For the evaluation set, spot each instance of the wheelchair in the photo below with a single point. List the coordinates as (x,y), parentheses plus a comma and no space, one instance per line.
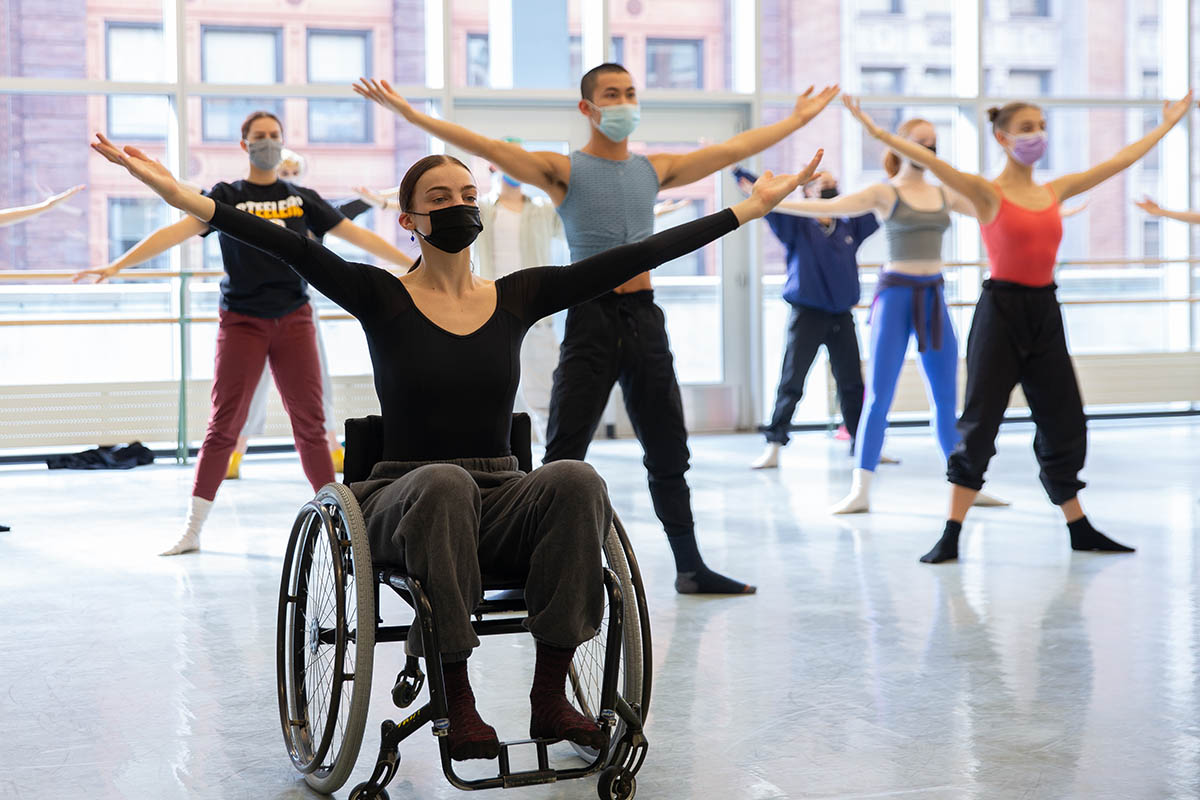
(329,624)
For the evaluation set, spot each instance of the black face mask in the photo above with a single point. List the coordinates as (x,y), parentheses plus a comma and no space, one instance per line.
(452,229)
(829,192)
(931,148)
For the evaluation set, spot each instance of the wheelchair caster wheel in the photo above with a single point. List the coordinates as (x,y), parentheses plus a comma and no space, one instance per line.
(360,793)
(616,784)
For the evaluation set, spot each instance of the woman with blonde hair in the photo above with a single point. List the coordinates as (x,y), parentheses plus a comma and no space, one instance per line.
(909,301)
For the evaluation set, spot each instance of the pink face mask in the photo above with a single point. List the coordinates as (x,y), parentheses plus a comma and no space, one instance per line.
(1028,148)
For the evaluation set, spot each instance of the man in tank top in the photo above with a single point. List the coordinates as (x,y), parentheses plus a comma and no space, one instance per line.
(605,197)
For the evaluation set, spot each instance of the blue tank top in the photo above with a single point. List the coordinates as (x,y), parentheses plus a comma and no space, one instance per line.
(608,203)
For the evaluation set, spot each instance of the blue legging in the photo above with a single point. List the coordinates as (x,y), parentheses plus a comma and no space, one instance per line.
(891,328)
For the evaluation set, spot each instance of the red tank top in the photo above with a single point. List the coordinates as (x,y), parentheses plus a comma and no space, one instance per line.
(1022,245)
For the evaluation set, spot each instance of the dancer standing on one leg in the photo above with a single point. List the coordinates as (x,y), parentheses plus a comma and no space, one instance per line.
(1017,335)
(909,303)
(605,196)
(447,498)
(822,288)
(265,316)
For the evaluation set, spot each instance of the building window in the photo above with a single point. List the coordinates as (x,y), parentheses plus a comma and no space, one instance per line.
(885,81)
(1150,239)
(674,63)
(478,60)
(131,219)
(1150,88)
(881,6)
(1029,8)
(938,81)
(338,57)
(616,53)
(238,55)
(134,53)
(1028,82)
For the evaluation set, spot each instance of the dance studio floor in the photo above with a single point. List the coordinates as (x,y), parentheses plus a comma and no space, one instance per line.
(1023,671)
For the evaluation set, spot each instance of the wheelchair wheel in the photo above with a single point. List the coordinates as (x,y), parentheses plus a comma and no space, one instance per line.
(586,675)
(325,642)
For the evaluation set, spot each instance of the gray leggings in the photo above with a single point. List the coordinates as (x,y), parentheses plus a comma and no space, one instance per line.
(446,522)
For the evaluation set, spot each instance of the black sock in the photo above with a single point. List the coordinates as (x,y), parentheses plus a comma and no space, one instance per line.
(1085,537)
(693,576)
(947,547)
(4,528)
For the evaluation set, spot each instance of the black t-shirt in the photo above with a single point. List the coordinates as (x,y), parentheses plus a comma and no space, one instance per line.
(255,283)
(443,395)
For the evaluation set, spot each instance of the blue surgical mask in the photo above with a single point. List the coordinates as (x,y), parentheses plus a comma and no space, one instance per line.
(510,181)
(617,122)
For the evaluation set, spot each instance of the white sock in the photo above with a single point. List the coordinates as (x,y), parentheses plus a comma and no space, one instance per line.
(197,513)
(769,458)
(859,499)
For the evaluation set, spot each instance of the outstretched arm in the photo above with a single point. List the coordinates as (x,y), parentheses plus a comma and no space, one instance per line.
(370,241)
(877,198)
(1155,210)
(545,170)
(555,288)
(349,285)
(153,245)
(680,170)
(11,216)
(1079,182)
(974,188)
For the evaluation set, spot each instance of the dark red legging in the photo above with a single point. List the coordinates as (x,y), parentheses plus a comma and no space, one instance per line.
(244,345)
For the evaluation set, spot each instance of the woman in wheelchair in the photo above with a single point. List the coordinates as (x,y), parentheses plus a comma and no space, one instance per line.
(447,501)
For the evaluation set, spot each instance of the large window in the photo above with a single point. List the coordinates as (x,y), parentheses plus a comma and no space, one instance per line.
(338,57)
(238,56)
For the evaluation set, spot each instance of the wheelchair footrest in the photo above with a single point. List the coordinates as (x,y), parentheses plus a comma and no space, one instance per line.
(543,773)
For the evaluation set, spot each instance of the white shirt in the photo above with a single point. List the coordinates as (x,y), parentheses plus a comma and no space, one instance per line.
(506,242)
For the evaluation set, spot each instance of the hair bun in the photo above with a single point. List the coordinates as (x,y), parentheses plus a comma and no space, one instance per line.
(992,113)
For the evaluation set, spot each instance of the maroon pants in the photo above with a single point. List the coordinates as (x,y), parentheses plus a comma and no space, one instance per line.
(244,344)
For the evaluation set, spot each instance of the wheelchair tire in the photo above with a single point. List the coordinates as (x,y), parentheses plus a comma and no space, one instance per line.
(587,668)
(325,642)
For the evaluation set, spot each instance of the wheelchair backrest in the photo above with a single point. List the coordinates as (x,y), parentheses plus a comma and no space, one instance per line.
(364,445)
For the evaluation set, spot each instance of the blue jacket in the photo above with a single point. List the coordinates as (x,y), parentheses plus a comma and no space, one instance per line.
(822,269)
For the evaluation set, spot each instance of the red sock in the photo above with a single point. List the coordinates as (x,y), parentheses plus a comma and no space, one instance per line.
(470,736)
(551,715)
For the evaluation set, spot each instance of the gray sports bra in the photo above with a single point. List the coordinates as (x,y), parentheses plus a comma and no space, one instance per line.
(914,235)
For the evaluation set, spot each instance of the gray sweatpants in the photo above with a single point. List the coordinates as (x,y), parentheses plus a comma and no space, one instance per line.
(446,522)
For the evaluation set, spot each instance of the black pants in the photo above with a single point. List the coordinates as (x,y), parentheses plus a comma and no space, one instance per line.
(808,329)
(623,337)
(1017,336)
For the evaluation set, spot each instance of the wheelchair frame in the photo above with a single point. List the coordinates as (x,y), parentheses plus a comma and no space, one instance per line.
(617,763)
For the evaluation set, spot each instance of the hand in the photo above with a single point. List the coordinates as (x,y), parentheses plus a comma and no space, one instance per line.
(1174,111)
(147,170)
(667,206)
(54,200)
(374,199)
(99,275)
(864,119)
(770,188)
(746,186)
(381,92)
(808,105)
(1149,206)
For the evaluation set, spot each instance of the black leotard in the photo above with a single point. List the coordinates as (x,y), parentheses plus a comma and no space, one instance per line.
(443,395)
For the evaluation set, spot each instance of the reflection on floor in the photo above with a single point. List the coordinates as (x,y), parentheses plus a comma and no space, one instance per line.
(1022,671)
